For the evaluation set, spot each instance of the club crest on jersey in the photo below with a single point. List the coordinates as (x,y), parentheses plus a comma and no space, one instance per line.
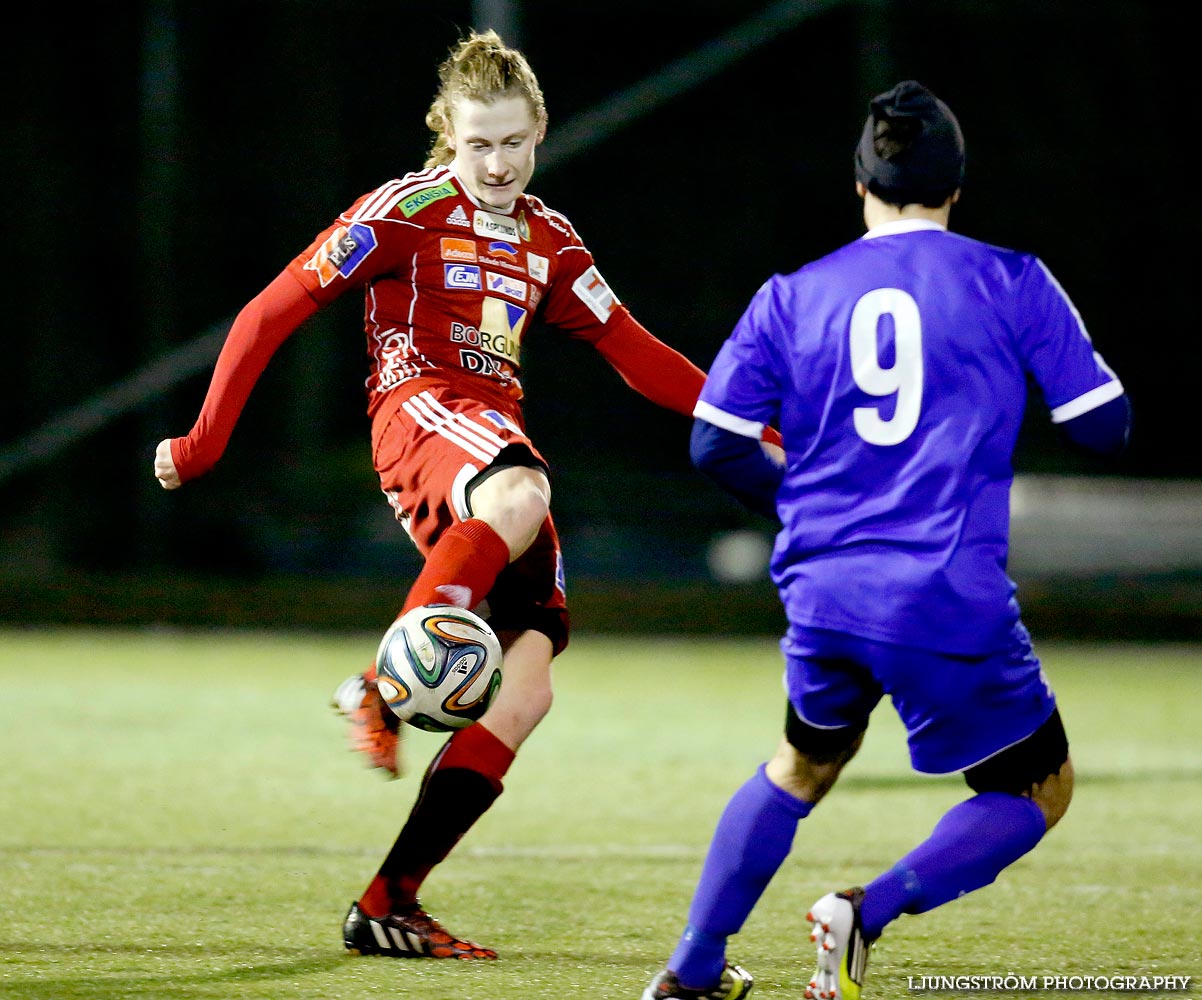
(592,290)
(537,266)
(411,204)
(487,224)
(453,249)
(523,225)
(342,253)
(458,217)
(461,276)
(503,284)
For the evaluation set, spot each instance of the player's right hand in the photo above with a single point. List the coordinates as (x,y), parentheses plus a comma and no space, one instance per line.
(164,467)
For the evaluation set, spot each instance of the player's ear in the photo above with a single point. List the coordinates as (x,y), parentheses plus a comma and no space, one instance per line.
(861,190)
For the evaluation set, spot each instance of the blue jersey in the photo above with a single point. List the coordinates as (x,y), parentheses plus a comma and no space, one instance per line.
(897,370)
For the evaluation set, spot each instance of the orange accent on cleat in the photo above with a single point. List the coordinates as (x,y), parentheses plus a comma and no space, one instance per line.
(375,731)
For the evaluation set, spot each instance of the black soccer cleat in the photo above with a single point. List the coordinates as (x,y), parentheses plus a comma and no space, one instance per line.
(411,934)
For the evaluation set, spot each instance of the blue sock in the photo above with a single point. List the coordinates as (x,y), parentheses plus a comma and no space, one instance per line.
(752,840)
(968,849)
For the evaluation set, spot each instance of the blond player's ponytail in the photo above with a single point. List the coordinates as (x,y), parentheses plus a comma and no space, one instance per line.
(480,68)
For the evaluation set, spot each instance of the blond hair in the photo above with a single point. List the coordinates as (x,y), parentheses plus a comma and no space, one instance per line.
(480,68)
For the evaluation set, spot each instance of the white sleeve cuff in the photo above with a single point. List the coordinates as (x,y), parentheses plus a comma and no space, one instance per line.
(1086,402)
(728,421)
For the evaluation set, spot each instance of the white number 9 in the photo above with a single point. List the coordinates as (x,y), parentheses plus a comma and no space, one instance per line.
(904,378)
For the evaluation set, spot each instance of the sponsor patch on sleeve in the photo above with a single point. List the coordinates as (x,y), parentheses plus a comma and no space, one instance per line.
(592,290)
(342,253)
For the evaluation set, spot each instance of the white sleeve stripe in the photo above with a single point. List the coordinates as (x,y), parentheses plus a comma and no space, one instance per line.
(1064,295)
(728,421)
(379,201)
(1088,401)
(388,194)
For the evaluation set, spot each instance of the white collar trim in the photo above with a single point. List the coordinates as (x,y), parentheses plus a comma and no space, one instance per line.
(902,226)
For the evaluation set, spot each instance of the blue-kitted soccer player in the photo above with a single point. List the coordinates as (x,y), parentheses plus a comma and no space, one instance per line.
(897,368)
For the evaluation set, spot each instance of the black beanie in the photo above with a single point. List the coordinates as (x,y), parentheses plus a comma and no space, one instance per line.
(931,167)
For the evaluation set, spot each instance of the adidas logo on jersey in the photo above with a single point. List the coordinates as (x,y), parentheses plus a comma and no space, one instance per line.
(459,218)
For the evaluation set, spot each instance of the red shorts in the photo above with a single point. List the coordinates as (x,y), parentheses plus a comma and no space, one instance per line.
(428,444)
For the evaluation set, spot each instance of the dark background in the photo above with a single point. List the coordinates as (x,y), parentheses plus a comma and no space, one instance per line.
(165,160)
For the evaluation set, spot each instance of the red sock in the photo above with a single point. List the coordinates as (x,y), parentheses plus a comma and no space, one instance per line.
(476,748)
(461,568)
(463,780)
(468,557)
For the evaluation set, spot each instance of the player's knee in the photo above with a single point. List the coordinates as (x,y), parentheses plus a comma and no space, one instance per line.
(809,760)
(1054,793)
(1038,768)
(514,500)
(821,745)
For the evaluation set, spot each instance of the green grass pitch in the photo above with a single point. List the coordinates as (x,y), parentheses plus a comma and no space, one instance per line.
(180,817)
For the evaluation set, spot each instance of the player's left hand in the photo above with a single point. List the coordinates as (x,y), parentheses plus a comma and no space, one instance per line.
(164,467)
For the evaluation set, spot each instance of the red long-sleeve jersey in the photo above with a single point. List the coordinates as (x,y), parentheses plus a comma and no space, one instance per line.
(450,288)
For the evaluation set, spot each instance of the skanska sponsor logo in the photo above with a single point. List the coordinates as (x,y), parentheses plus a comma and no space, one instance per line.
(414,203)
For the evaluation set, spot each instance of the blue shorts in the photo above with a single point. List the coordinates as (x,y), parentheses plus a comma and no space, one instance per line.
(958,710)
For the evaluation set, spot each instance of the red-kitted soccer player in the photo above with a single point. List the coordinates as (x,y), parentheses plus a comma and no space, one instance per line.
(454,261)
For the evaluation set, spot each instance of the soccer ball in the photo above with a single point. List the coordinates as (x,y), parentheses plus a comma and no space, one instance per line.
(439,667)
